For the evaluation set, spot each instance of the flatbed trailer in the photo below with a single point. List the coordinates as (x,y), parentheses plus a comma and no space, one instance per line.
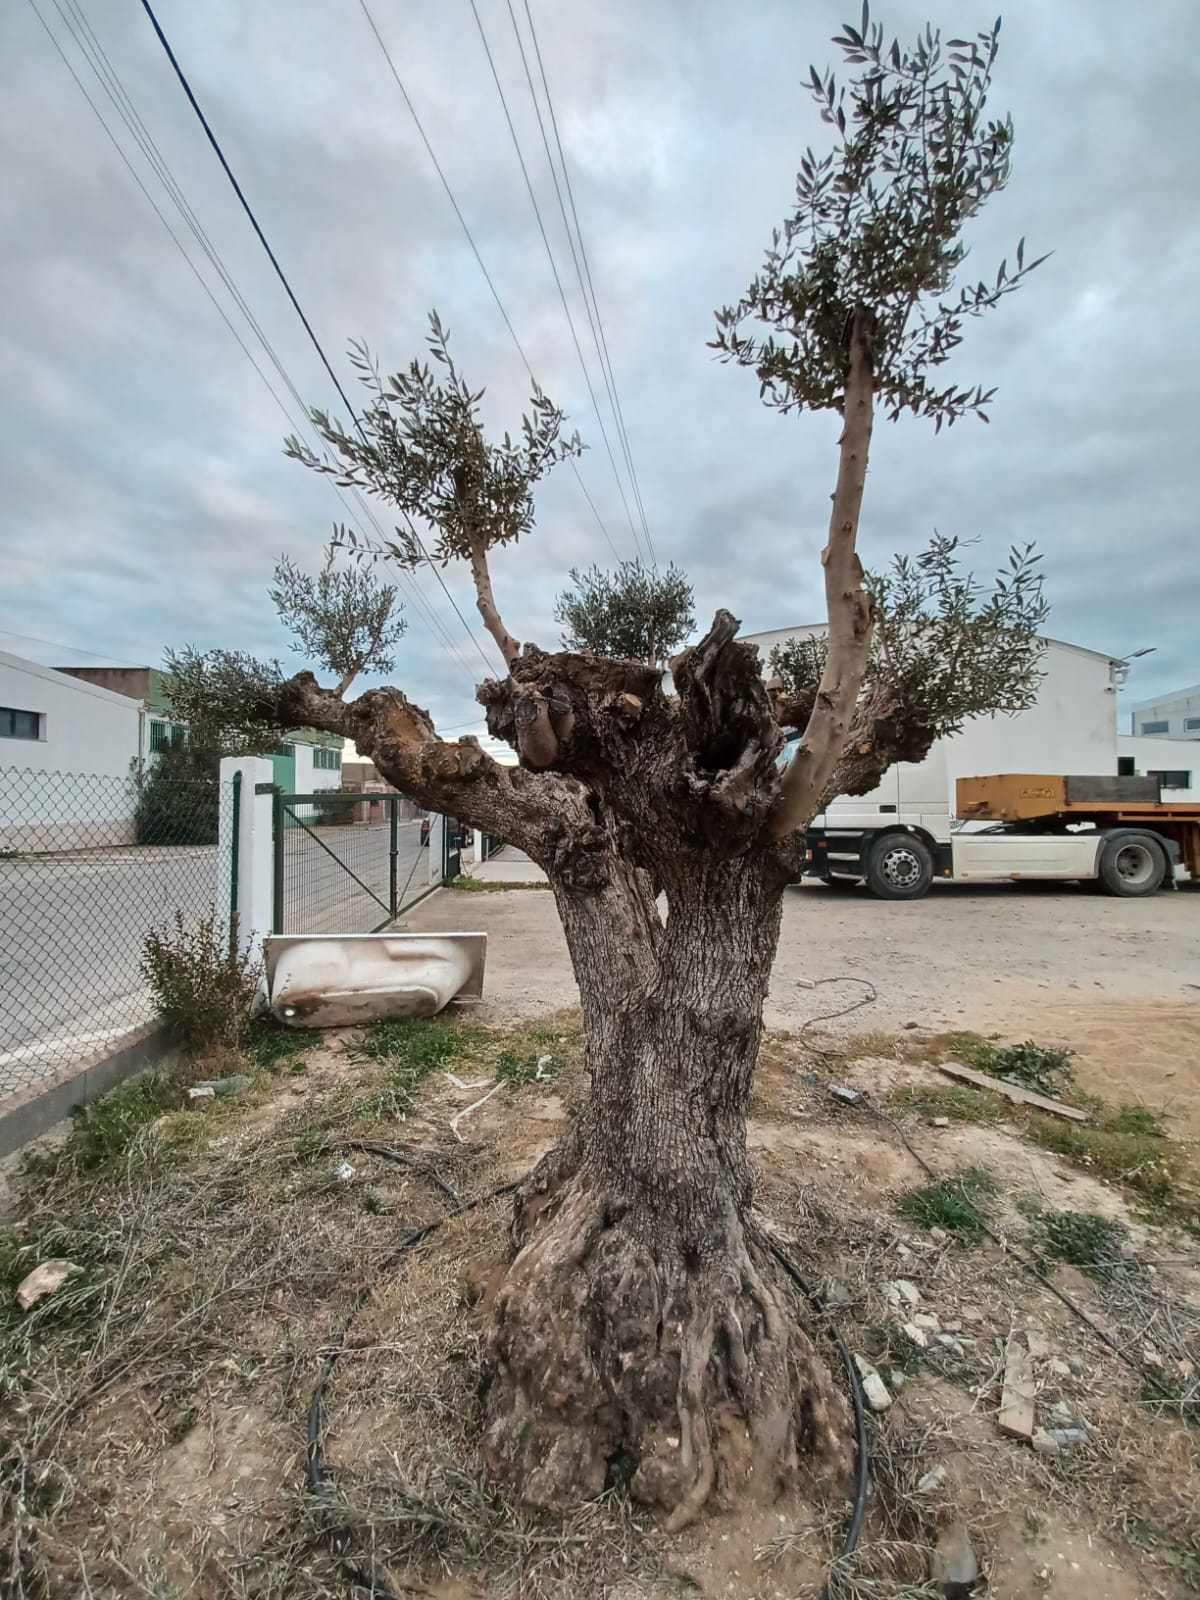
(1117,832)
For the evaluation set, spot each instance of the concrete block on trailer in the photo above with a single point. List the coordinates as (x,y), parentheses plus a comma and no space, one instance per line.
(331,980)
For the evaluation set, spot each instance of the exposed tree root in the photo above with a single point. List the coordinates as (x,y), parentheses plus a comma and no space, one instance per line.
(620,1350)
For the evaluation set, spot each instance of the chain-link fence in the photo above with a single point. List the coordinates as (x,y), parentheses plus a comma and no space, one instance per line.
(344,864)
(88,866)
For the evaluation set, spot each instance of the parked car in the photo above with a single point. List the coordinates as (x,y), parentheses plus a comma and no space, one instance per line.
(462,833)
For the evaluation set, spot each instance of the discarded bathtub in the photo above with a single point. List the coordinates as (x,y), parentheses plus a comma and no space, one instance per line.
(338,980)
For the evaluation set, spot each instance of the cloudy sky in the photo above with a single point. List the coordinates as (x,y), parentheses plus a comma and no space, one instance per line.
(146,496)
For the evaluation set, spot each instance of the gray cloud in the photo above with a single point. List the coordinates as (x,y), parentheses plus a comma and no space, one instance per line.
(146,495)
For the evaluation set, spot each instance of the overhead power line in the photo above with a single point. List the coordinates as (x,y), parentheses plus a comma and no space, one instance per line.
(245,204)
(125,107)
(550,257)
(470,237)
(596,322)
(316,343)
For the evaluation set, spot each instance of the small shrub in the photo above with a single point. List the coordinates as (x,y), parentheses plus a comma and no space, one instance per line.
(203,987)
(950,1203)
(1028,1065)
(1081,1238)
(178,798)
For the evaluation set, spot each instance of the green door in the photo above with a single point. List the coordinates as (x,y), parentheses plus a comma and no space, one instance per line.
(283,768)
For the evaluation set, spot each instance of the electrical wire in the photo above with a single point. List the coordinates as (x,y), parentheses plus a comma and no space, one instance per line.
(316,343)
(110,78)
(475,251)
(127,110)
(590,304)
(237,189)
(537,212)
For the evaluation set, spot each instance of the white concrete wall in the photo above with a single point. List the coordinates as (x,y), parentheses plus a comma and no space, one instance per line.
(1164,755)
(1176,710)
(88,735)
(1071,729)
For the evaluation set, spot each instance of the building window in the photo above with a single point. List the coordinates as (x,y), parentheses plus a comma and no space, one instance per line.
(1125,767)
(1173,780)
(166,736)
(327,760)
(1156,727)
(20,724)
(1191,724)
(283,750)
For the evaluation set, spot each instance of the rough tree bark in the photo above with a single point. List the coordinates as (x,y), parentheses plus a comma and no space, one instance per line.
(642,1328)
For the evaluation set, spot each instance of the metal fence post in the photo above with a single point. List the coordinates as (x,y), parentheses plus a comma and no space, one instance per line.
(234,858)
(394,854)
(277,859)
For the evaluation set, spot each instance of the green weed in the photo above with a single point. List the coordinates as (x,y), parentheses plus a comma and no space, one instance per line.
(1031,1066)
(1080,1238)
(464,884)
(271,1045)
(950,1203)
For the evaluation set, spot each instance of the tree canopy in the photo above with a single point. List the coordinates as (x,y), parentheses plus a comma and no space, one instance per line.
(636,612)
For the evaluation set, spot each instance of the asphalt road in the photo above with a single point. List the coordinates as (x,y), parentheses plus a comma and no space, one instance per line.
(72,929)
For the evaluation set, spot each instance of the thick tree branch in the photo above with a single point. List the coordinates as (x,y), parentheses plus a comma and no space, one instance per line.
(457,778)
(847,602)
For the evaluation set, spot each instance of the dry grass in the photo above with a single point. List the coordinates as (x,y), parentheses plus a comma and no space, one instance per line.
(152,1413)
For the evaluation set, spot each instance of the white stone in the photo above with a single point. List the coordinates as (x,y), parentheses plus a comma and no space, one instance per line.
(202,1091)
(918,1335)
(44,1280)
(933,1479)
(875,1391)
(925,1319)
(907,1291)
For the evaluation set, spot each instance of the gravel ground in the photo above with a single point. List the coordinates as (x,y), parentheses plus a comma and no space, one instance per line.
(1116,980)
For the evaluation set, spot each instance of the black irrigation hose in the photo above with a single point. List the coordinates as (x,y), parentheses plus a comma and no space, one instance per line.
(317,1472)
(862,1442)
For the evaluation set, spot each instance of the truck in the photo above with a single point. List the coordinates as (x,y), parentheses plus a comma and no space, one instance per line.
(1115,832)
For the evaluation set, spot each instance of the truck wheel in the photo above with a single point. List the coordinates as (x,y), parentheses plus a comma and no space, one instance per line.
(1132,866)
(899,867)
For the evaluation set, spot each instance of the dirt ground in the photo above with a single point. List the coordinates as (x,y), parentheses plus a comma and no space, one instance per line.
(1116,980)
(241,1287)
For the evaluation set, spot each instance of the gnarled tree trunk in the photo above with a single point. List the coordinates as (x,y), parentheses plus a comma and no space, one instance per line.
(642,1329)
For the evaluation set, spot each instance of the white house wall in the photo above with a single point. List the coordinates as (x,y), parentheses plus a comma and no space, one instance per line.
(73,785)
(1165,755)
(310,778)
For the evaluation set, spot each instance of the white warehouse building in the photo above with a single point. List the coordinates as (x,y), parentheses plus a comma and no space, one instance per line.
(1072,729)
(1170,716)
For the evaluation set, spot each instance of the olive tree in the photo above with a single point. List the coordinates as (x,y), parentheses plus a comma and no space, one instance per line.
(641,1320)
(634,612)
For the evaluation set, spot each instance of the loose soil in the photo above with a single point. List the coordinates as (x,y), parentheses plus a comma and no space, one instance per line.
(155,1414)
